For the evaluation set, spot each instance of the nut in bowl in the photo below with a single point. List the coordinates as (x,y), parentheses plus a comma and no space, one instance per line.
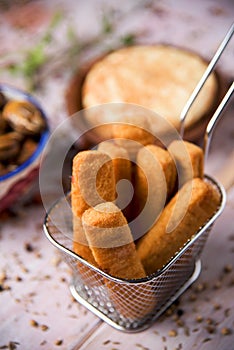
(24,132)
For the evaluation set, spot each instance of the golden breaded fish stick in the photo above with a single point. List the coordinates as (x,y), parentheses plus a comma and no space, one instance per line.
(111,241)
(189,160)
(92,182)
(145,167)
(123,171)
(155,179)
(187,211)
(80,244)
(120,159)
(113,248)
(81,248)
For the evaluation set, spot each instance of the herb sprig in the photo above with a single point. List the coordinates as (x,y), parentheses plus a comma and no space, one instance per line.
(38,61)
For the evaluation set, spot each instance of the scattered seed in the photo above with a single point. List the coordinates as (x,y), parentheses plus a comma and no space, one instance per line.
(192,297)
(56,260)
(44,327)
(12,345)
(175,317)
(6,287)
(169,312)
(141,347)
(3,277)
(172,333)
(210,329)
(164,339)
(206,340)
(34,323)
(19,279)
(180,323)
(180,312)
(217,306)
(24,269)
(58,342)
(47,277)
(227,312)
(226,331)
(28,247)
(195,330)
(199,318)
(106,342)
(227,268)
(209,321)
(217,285)
(200,287)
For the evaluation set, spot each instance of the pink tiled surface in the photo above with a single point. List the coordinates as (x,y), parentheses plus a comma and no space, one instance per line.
(36,307)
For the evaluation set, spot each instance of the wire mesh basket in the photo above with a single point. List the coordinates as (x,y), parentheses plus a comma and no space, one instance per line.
(128,305)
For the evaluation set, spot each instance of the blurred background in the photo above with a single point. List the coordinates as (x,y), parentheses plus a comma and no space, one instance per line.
(43,45)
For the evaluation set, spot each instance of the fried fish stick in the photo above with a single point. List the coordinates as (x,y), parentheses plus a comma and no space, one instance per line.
(113,248)
(187,211)
(111,242)
(189,160)
(146,157)
(120,159)
(92,182)
(123,171)
(155,179)
(80,244)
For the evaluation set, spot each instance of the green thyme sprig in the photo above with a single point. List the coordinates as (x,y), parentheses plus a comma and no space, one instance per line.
(37,63)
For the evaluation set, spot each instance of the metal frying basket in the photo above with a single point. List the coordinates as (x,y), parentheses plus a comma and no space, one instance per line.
(128,305)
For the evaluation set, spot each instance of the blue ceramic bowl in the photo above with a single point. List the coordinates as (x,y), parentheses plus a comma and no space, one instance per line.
(16,183)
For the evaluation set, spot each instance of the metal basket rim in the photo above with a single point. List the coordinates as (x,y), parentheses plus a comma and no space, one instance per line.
(144,326)
(156,274)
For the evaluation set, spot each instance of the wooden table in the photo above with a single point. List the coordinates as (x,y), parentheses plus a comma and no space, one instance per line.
(37,310)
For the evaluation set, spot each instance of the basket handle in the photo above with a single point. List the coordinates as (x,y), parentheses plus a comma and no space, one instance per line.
(214,120)
(204,77)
